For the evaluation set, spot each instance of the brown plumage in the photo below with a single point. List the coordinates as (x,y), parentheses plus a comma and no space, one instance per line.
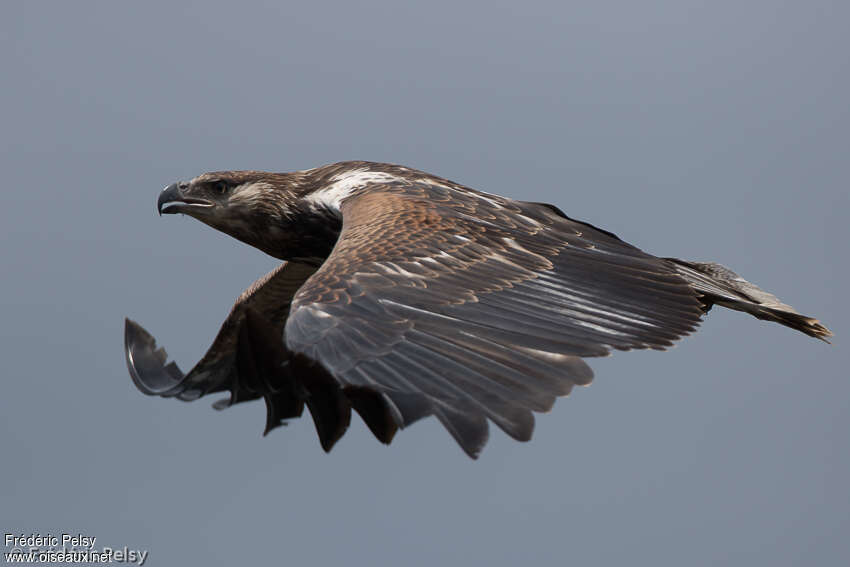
(406,295)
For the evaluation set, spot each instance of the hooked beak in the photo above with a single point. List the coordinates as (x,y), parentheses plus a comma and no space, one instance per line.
(172,200)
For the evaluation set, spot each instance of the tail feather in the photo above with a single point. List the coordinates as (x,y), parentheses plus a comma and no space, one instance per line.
(721,286)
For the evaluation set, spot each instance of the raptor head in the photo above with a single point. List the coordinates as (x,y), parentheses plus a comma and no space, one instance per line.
(262,209)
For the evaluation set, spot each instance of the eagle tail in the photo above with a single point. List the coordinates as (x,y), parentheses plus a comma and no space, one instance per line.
(718,285)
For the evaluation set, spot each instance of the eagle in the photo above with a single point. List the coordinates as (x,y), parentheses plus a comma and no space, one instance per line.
(404,295)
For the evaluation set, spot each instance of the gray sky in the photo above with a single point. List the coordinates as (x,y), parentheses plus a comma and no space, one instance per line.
(704,130)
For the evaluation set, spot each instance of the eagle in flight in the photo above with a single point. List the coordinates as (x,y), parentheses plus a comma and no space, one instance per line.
(404,295)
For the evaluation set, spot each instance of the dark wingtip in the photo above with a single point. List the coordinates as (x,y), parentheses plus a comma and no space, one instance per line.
(802,323)
(817,330)
(147,363)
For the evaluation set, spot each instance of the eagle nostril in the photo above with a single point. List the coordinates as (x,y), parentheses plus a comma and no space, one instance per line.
(182,185)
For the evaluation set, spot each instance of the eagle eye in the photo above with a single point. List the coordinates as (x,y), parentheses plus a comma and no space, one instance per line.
(221,187)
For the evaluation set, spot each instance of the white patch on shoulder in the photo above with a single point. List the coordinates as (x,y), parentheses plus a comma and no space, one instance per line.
(344,184)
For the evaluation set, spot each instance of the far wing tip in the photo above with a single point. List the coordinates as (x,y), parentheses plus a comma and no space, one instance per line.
(147,363)
(819,331)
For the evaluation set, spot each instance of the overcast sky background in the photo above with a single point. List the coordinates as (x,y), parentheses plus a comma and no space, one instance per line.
(703,130)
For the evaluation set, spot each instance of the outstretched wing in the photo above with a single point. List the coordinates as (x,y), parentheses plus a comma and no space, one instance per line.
(469,307)
(247,356)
